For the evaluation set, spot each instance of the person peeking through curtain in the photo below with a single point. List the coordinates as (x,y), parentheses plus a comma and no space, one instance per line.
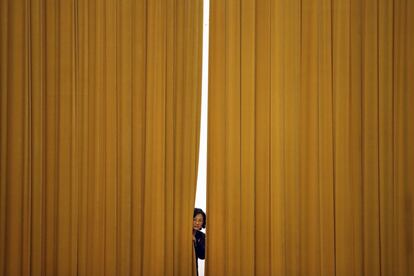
(199,238)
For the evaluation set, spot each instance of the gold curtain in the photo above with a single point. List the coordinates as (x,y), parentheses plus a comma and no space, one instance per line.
(311,130)
(100,107)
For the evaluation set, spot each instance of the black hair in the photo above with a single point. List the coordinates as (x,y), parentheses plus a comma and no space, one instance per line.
(200,211)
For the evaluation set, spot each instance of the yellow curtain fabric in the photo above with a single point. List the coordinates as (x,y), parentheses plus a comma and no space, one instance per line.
(310,154)
(100,106)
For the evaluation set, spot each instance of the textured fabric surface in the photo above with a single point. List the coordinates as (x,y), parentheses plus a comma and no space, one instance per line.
(99,131)
(310,152)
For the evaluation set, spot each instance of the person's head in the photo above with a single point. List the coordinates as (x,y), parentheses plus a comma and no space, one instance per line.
(199,219)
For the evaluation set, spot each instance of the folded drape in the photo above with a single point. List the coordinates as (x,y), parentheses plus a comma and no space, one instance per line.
(100,108)
(310,154)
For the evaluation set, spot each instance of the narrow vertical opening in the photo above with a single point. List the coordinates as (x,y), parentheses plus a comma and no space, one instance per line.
(201,194)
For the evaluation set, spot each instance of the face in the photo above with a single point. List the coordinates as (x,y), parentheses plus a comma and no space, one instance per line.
(198,222)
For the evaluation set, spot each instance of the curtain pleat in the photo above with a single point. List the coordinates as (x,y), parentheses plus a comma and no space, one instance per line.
(310,155)
(100,113)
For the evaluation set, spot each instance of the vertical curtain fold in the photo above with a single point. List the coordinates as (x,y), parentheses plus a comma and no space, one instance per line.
(309,155)
(100,104)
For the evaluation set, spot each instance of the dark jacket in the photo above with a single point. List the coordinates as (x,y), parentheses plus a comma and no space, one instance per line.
(199,247)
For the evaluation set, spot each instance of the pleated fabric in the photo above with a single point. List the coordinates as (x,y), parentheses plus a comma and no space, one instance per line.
(99,135)
(310,152)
